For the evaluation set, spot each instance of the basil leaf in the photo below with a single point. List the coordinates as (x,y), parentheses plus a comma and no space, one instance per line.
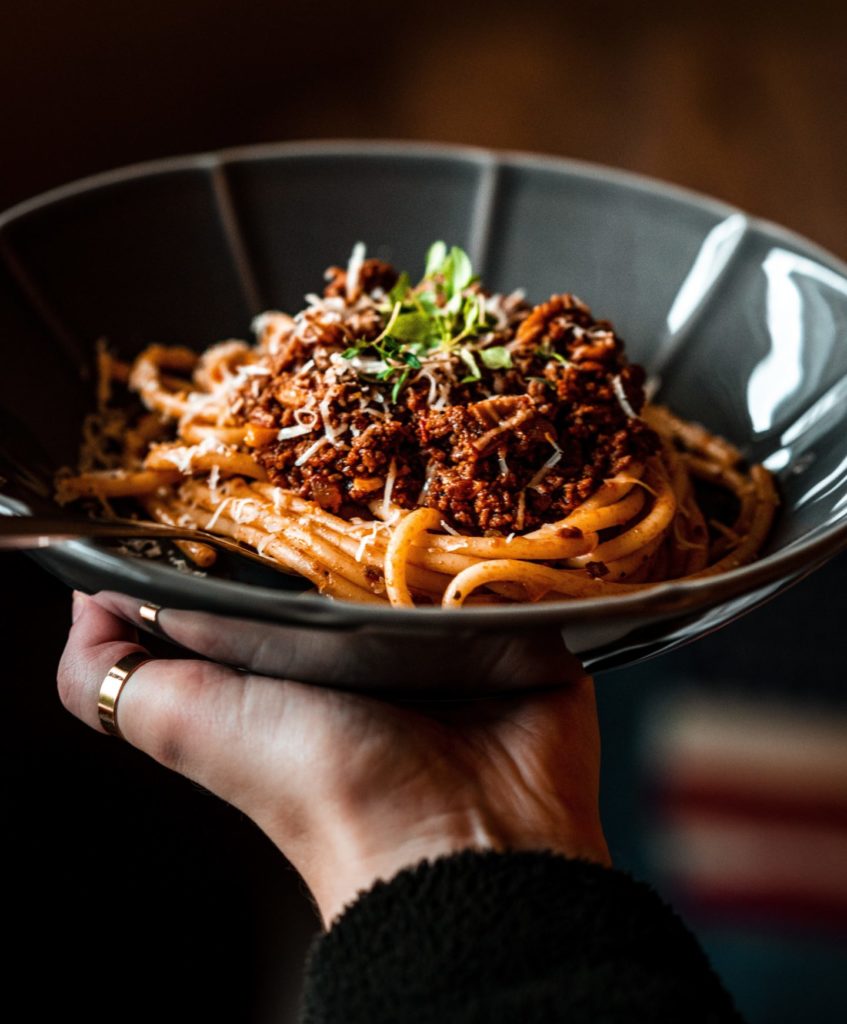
(470,315)
(350,353)
(426,302)
(497,357)
(412,360)
(435,257)
(398,292)
(413,327)
(467,358)
(461,270)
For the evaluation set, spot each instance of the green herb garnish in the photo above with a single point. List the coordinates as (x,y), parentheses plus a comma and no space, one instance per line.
(441,312)
(398,385)
(548,353)
(496,357)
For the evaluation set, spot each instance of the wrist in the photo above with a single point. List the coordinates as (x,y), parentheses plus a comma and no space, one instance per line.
(354,859)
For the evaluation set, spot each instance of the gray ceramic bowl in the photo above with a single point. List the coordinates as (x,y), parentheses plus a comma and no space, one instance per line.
(744,324)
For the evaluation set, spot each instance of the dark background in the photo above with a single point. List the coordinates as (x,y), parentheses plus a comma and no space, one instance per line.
(136,891)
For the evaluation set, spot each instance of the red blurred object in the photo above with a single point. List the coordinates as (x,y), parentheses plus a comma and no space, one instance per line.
(750,805)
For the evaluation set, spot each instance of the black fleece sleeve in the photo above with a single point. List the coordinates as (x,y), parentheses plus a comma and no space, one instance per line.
(511,937)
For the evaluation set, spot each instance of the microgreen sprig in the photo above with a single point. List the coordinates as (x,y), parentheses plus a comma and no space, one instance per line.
(546,352)
(442,312)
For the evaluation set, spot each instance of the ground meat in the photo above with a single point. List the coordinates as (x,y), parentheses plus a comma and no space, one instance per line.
(499,452)
(481,486)
(373,274)
(559,323)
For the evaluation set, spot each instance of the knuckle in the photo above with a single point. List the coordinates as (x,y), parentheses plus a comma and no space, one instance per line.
(167,726)
(174,716)
(170,754)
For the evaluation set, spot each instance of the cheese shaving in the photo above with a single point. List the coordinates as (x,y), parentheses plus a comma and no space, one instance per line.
(545,469)
(620,394)
(354,269)
(217,514)
(310,451)
(389,488)
(299,430)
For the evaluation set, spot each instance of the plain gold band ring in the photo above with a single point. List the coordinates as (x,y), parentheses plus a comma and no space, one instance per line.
(110,690)
(149,614)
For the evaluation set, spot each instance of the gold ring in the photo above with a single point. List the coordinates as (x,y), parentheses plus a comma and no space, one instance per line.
(110,690)
(150,615)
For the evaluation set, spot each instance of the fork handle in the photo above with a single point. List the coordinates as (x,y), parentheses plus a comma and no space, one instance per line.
(24,532)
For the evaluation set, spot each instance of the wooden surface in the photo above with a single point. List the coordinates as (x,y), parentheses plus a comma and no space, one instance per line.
(742,100)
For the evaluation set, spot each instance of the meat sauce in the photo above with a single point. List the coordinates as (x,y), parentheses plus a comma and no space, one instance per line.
(502,428)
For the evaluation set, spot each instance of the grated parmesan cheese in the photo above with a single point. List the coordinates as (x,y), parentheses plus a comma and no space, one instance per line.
(366,541)
(310,451)
(244,509)
(545,469)
(429,473)
(332,434)
(354,268)
(217,514)
(301,414)
(286,433)
(183,456)
(389,488)
(263,543)
(620,394)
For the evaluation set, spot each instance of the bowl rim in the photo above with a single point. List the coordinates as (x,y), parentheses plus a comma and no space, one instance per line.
(798,558)
(484,157)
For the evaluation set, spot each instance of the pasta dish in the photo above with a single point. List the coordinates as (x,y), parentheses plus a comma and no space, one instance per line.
(428,443)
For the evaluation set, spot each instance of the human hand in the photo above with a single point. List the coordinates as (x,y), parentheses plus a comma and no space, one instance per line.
(350,788)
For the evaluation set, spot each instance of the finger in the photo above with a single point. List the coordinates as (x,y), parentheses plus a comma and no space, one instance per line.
(313,655)
(163,707)
(231,732)
(447,664)
(96,638)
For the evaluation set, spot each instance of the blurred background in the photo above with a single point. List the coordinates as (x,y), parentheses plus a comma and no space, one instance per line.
(725,772)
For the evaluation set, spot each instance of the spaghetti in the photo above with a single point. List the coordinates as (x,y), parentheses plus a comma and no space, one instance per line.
(429,443)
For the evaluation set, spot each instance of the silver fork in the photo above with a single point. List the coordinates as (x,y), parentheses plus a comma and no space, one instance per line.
(26,532)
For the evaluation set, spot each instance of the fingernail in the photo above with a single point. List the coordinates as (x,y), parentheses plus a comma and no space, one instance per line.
(78,602)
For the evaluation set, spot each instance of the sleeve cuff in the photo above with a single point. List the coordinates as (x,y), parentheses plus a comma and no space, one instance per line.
(529,936)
